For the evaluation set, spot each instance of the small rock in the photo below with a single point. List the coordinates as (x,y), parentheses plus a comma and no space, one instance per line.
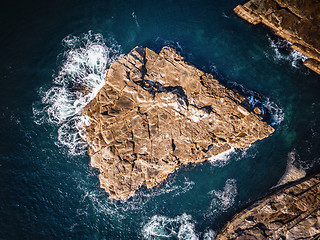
(257,111)
(243,110)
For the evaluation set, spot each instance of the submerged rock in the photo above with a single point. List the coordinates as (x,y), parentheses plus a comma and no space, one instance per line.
(290,213)
(296,21)
(155,113)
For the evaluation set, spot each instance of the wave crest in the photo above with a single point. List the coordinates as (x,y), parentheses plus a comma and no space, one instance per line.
(80,77)
(221,159)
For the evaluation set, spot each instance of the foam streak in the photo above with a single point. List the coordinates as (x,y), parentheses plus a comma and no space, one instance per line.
(80,77)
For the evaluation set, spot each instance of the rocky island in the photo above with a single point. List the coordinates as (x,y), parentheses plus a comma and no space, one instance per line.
(297,21)
(292,212)
(157,112)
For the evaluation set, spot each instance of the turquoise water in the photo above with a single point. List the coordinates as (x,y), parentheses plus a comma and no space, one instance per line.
(48,189)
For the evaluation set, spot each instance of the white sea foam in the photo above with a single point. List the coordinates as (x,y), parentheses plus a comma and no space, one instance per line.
(224,199)
(180,227)
(263,103)
(277,113)
(225,15)
(80,77)
(249,151)
(170,187)
(221,159)
(112,208)
(209,235)
(134,16)
(293,56)
(293,171)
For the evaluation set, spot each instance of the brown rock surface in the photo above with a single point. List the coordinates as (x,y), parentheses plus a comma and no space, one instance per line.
(155,113)
(297,21)
(290,213)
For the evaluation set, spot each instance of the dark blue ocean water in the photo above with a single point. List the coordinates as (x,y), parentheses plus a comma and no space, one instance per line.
(48,189)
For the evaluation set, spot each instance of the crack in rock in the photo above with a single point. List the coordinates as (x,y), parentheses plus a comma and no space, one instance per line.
(157,112)
(296,21)
(291,212)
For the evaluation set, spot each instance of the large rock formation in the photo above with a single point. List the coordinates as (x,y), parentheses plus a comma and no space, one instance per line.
(290,213)
(155,113)
(297,21)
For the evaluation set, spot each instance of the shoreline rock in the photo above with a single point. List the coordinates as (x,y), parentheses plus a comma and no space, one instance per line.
(291,212)
(296,21)
(157,112)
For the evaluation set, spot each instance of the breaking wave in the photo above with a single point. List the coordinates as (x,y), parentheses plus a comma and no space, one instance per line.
(267,107)
(180,227)
(119,209)
(273,113)
(80,77)
(281,51)
(221,159)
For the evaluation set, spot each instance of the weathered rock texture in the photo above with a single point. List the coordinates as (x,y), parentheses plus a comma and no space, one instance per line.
(155,113)
(290,213)
(297,21)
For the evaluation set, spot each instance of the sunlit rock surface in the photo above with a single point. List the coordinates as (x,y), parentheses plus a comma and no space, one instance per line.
(155,113)
(297,21)
(290,213)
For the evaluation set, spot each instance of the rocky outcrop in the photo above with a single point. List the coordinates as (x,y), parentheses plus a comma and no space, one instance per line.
(297,21)
(290,213)
(155,113)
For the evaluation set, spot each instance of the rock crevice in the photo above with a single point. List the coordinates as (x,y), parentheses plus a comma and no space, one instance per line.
(157,112)
(292,212)
(296,21)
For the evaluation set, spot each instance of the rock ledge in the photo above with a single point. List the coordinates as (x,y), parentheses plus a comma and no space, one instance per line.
(155,113)
(297,21)
(292,212)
